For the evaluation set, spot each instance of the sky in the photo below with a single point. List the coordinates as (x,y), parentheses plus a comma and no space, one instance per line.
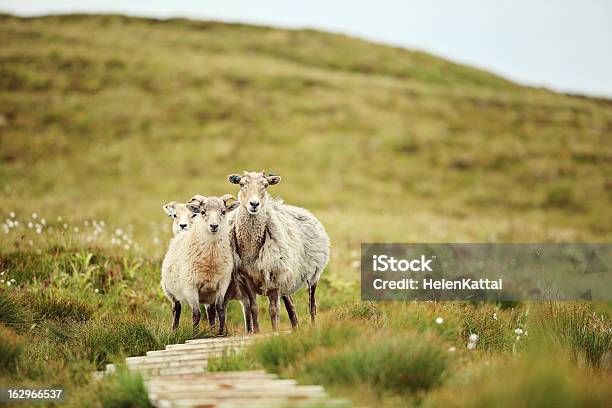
(564,45)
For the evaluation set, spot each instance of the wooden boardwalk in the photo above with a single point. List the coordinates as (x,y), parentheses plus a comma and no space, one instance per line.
(177,377)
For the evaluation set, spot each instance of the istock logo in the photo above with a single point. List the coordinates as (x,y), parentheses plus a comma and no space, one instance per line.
(384,263)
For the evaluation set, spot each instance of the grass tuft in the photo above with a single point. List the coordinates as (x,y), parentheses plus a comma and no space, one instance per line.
(125,389)
(232,361)
(278,352)
(401,365)
(575,326)
(63,309)
(11,347)
(12,312)
(103,341)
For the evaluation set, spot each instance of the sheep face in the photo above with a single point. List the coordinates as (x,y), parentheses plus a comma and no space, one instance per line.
(182,217)
(213,211)
(253,189)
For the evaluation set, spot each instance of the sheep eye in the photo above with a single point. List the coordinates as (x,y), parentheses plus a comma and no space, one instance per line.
(173,215)
(241,184)
(223,212)
(194,215)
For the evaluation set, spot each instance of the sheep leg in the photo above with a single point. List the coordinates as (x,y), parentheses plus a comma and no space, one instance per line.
(274,305)
(195,314)
(288,301)
(313,302)
(211,314)
(176,314)
(250,292)
(254,313)
(221,305)
(246,311)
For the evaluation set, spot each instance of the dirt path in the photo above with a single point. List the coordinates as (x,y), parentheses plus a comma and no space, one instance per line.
(177,377)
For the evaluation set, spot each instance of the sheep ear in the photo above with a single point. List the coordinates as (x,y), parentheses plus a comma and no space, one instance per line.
(273,180)
(194,207)
(169,208)
(232,206)
(234,178)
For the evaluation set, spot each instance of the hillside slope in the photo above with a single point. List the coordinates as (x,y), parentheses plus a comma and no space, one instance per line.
(110,117)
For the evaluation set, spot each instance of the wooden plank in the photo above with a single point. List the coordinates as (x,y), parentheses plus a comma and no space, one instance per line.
(239,385)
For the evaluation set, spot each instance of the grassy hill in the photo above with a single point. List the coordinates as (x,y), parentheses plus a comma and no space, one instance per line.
(110,117)
(103,119)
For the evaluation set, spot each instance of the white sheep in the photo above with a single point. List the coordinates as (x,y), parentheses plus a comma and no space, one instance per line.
(281,247)
(198,265)
(182,217)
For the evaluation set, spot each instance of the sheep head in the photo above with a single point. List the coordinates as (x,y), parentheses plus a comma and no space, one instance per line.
(253,189)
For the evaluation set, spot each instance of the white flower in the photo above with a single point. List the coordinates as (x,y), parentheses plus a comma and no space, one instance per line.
(30,225)
(15,223)
(439,320)
(76,229)
(526,334)
(473,337)
(126,246)
(65,226)
(96,290)
(452,349)
(59,218)
(471,345)
(12,214)
(43,221)
(494,316)
(8,283)
(34,216)
(118,232)
(2,273)
(31,242)
(518,331)
(13,280)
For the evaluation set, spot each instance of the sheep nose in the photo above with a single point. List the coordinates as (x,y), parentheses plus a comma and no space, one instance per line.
(214,227)
(183,226)
(254,204)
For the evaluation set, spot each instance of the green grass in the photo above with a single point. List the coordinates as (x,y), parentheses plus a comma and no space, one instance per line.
(401,365)
(97,132)
(586,333)
(231,361)
(125,390)
(10,349)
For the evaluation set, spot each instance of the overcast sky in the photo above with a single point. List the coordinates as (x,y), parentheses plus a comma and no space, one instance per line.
(561,44)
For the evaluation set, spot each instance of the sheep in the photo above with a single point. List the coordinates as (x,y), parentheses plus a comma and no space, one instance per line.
(182,217)
(240,289)
(236,290)
(199,262)
(280,247)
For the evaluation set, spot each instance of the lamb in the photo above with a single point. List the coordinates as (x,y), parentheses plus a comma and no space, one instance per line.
(182,217)
(198,265)
(281,247)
